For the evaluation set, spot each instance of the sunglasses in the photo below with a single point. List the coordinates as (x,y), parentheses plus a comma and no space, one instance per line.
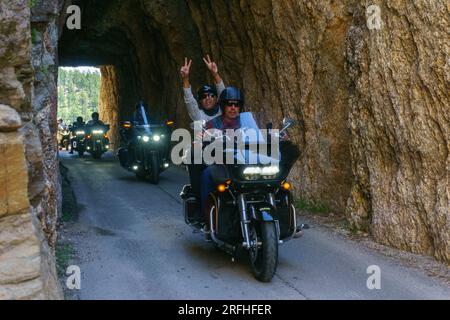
(233,104)
(208,95)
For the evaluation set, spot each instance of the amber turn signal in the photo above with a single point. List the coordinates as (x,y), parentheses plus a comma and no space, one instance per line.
(169,123)
(221,188)
(286,186)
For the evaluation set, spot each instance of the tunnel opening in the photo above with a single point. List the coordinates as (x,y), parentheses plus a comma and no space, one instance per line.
(78,93)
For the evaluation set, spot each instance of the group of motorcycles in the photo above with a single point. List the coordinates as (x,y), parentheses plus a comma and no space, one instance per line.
(92,139)
(251,207)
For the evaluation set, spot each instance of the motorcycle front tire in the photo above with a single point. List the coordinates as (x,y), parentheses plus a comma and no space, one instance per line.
(265,265)
(154,176)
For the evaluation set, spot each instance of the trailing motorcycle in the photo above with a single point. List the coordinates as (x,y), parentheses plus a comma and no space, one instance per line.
(251,206)
(96,140)
(79,144)
(146,150)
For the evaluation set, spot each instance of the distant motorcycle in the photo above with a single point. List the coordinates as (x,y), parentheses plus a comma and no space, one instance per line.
(251,206)
(147,149)
(96,140)
(79,144)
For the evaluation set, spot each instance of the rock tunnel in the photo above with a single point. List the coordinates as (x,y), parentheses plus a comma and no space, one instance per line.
(372,105)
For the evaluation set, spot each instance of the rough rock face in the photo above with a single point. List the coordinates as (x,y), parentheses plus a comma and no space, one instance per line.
(370,103)
(27,266)
(109,103)
(399,116)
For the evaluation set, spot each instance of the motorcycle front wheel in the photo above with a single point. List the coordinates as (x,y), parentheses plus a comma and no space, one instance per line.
(154,176)
(264,250)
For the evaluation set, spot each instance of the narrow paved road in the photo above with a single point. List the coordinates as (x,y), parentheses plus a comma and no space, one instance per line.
(132,243)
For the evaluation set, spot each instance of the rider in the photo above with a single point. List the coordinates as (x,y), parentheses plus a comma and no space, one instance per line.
(76,126)
(95,120)
(232,104)
(141,115)
(205,107)
(61,128)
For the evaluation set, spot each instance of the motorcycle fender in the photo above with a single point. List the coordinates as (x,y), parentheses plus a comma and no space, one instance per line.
(264,211)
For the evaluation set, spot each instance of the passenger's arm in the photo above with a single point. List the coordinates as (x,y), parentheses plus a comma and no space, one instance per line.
(212,67)
(192,105)
(189,100)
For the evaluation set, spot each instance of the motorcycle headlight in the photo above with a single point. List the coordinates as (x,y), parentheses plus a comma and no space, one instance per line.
(270,171)
(97,131)
(146,138)
(156,138)
(80,132)
(252,173)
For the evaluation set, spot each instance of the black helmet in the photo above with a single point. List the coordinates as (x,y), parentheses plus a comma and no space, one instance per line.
(231,94)
(205,89)
(95,115)
(79,119)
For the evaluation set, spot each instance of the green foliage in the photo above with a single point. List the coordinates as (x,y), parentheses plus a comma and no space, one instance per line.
(64,253)
(32,3)
(34,35)
(44,70)
(78,94)
(312,206)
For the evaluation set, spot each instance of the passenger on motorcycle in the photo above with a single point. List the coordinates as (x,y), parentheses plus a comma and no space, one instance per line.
(205,107)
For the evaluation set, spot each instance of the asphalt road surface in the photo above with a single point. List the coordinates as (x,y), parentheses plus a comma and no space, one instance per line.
(131,242)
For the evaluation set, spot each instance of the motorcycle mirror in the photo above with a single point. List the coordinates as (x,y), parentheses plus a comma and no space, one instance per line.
(287,123)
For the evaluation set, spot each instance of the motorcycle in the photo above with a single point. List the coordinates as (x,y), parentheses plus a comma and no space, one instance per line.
(65,140)
(147,150)
(79,145)
(96,140)
(251,206)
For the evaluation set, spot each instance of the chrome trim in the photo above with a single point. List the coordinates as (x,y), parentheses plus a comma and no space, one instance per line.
(244,221)
(225,245)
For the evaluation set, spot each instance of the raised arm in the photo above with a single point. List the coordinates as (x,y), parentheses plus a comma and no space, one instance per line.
(189,100)
(212,67)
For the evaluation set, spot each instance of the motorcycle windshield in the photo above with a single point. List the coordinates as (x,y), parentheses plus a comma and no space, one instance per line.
(253,143)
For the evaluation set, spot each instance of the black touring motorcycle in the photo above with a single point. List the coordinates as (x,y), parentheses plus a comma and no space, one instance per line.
(96,140)
(79,136)
(251,206)
(146,150)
